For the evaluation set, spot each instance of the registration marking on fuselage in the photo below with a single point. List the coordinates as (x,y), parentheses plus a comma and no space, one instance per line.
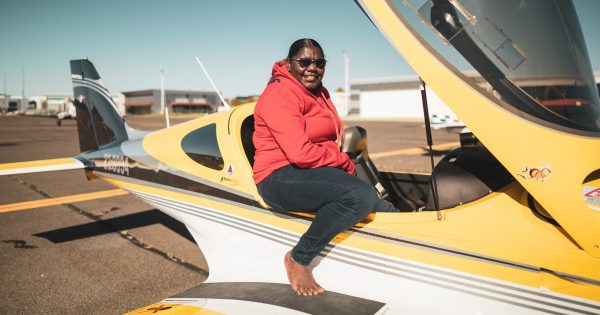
(61,200)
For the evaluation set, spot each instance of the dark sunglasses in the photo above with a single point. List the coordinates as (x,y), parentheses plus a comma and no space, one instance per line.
(306,62)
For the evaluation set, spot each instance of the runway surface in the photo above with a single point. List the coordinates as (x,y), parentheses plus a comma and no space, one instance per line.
(73,246)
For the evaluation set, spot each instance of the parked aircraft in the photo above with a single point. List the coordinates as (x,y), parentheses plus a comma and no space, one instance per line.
(510,221)
(70,113)
(447,122)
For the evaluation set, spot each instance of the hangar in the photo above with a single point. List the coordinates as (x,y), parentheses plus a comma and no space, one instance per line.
(400,97)
(148,101)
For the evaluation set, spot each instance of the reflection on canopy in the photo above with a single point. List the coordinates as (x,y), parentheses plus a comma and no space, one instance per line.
(530,53)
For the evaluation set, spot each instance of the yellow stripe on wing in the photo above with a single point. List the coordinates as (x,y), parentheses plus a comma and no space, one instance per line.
(50,162)
(61,200)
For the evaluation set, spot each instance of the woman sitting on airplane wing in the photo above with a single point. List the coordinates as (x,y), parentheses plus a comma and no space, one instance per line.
(298,164)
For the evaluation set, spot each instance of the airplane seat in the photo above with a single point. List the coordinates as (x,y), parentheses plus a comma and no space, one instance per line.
(466,174)
(246,134)
(355,145)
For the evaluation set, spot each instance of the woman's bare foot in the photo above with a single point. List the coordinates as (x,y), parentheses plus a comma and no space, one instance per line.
(300,277)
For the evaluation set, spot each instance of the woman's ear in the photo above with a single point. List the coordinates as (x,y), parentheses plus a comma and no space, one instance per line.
(287,63)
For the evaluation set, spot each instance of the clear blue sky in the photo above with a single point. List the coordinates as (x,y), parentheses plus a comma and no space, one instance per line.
(237,40)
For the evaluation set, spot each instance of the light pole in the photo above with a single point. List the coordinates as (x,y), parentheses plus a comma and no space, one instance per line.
(4,96)
(346,110)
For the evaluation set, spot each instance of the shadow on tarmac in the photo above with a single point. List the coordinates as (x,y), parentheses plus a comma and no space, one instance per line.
(127,222)
(435,152)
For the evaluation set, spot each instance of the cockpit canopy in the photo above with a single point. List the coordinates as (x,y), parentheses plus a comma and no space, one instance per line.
(547,79)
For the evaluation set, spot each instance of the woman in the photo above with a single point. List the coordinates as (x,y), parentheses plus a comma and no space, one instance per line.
(298,165)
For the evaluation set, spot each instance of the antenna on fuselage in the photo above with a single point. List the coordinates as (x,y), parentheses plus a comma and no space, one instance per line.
(213,84)
(434,192)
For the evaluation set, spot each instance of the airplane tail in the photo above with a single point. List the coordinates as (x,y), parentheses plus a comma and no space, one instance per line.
(99,122)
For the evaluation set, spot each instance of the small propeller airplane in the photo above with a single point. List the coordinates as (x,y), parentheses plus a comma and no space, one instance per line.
(509,223)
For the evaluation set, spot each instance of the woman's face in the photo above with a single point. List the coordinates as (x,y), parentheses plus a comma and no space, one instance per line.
(311,75)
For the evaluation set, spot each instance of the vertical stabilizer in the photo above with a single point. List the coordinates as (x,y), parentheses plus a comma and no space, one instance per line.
(98,120)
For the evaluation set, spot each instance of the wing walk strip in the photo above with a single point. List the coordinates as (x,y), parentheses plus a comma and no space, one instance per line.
(504,292)
(61,200)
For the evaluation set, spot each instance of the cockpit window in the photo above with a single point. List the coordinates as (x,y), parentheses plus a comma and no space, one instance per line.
(530,54)
(201,146)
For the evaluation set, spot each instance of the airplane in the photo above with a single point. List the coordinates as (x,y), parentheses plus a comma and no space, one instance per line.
(70,113)
(448,123)
(508,223)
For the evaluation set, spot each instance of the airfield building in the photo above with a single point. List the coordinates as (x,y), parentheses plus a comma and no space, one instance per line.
(392,97)
(53,103)
(400,97)
(148,101)
(12,103)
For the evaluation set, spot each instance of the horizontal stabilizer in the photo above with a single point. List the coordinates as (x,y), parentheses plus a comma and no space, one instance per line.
(41,166)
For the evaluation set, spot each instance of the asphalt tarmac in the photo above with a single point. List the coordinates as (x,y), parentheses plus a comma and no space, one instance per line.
(116,254)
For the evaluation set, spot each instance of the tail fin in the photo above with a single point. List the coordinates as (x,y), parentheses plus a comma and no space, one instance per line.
(98,120)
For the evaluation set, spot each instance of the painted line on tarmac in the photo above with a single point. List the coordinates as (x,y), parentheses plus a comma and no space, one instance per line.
(61,200)
(414,151)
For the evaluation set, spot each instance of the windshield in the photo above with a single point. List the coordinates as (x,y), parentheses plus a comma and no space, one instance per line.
(530,53)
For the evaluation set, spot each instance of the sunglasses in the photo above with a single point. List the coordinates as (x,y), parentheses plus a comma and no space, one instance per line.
(306,62)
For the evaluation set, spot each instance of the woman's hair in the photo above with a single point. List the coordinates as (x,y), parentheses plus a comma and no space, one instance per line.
(301,43)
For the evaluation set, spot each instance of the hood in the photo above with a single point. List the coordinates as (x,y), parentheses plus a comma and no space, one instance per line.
(280,72)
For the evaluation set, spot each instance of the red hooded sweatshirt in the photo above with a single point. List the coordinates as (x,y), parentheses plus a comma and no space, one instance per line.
(294,126)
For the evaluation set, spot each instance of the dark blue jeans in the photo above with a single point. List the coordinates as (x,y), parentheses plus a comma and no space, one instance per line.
(339,199)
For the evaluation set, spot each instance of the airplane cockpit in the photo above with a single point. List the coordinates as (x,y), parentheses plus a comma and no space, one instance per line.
(459,180)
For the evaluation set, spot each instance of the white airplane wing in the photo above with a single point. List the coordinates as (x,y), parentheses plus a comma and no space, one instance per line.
(41,166)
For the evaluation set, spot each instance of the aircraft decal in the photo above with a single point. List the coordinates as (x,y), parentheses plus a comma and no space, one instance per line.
(159,308)
(591,195)
(154,308)
(535,173)
(228,177)
(229,170)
